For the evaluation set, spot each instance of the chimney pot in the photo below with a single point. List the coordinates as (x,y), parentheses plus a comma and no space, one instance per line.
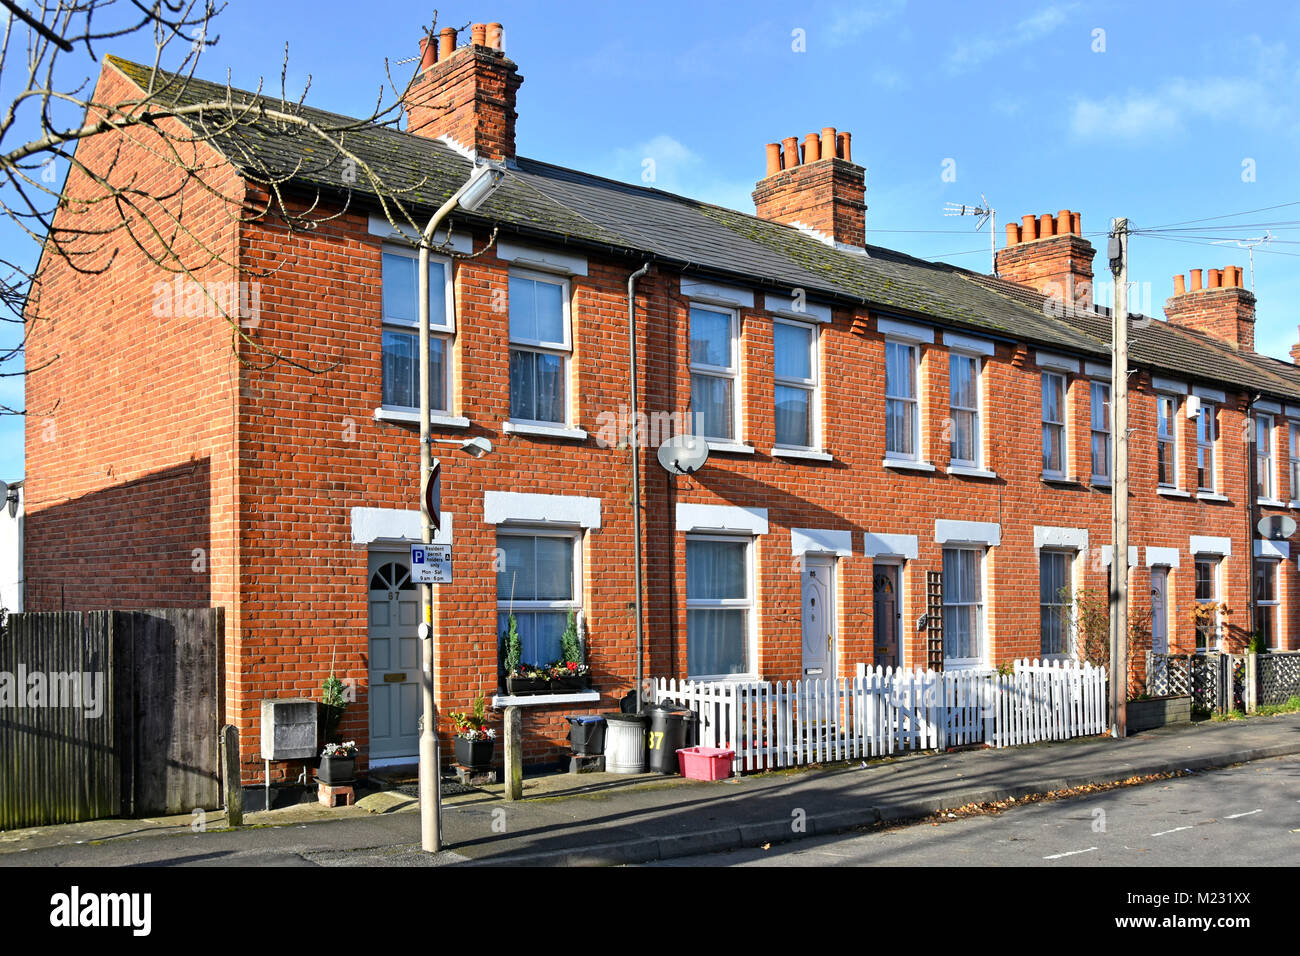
(1077,223)
(828,142)
(1028,227)
(1216,279)
(428,53)
(478,34)
(495,35)
(446,42)
(773,159)
(1064,225)
(812,148)
(790,146)
(1013,234)
(1196,280)
(1180,284)
(1046,225)
(844,144)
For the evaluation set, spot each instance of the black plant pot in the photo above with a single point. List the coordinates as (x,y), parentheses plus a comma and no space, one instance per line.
(524,686)
(336,770)
(474,754)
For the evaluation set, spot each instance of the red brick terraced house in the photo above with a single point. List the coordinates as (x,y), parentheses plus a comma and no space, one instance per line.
(870,418)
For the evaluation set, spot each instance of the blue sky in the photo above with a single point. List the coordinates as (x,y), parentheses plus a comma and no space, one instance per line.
(1163,113)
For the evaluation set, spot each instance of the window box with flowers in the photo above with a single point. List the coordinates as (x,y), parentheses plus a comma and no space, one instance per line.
(475,741)
(338,763)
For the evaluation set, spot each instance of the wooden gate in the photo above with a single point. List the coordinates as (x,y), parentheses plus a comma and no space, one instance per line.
(109,713)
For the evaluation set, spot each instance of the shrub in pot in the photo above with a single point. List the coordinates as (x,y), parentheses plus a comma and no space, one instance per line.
(475,741)
(338,763)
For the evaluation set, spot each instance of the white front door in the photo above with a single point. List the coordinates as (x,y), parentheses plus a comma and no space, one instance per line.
(394,665)
(1159,610)
(819,617)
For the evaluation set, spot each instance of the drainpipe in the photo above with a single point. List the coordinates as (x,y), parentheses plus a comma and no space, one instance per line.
(635,445)
(1252,514)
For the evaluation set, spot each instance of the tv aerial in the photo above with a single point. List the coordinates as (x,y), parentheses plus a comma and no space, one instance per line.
(987,214)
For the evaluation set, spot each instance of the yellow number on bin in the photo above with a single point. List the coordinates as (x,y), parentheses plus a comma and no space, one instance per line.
(656,738)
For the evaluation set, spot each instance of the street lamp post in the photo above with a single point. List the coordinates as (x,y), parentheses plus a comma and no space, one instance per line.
(470,196)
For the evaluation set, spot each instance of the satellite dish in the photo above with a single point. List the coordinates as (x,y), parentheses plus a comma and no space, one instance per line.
(1276,527)
(683,454)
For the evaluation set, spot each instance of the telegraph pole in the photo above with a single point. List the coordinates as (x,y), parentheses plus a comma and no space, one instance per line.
(1118,251)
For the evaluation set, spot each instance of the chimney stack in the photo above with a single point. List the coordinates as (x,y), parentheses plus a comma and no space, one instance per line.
(1222,309)
(466,94)
(822,190)
(1050,254)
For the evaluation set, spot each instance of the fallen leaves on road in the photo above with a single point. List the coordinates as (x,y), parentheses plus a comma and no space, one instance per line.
(995,807)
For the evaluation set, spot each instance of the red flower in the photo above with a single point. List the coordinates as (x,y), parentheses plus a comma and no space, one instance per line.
(573,665)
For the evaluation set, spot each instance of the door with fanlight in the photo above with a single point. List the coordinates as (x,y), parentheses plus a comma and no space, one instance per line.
(394,661)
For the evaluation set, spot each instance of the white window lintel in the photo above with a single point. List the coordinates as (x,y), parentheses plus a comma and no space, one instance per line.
(821,541)
(500,507)
(727,518)
(967,532)
(879,545)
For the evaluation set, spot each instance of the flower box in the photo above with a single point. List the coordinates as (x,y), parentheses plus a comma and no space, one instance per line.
(474,754)
(569,685)
(525,686)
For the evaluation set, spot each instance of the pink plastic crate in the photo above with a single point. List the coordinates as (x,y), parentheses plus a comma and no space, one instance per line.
(705,763)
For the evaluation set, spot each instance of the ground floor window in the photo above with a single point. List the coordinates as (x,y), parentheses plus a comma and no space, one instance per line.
(1266,602)
(719,606)
(963,606)
(538,575)
(1055,599)
(1207,594)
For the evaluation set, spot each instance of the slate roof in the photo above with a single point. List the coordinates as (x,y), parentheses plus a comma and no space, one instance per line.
(557,204)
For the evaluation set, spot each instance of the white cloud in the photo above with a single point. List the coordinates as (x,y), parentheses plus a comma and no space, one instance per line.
(1177,103)
(851,22)
(972,52)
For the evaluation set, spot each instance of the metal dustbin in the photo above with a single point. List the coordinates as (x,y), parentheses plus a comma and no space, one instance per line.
(667,733)
(625,743)
(587,734)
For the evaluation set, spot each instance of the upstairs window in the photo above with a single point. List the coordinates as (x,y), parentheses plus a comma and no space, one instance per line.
(1264,456)
(401,334)
(963,401)
(795,389)
(1101,448)
(715,373)
(1055,459)
(1295,460)
(1207,433)
(540,348)
(1167,441)
(902,408)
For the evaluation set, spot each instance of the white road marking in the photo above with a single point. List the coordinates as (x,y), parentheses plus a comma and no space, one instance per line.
(1234,816)
(1057,856)
(1174,830)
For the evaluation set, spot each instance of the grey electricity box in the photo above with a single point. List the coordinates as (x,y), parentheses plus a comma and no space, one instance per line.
(288,729)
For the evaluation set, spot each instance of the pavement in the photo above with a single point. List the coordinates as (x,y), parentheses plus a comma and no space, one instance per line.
(609,819)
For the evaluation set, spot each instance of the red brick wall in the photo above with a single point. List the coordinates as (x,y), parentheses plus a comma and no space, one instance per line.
(130,433)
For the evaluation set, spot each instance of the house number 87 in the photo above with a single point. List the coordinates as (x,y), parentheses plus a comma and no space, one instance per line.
(656,739)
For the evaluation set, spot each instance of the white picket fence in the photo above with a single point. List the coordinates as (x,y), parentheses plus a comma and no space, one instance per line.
(883,711)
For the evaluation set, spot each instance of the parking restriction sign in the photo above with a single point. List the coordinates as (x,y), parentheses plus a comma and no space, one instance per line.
(431,563)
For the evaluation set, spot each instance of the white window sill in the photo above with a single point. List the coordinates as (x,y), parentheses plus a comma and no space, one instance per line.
(805,453)
(543,700)
(727,679)
(1211,496)
(1295,504)
(950,665)
(1101,481)
(906,464)
(1173,493)
(1270,503)
(412,417)
(1059,480)
(730,447)
(544,431)
(967,472)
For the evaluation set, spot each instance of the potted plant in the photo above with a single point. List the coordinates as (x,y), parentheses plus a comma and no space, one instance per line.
(338,763)
(474,739)
(333,701)
(527,679)
(570,672)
